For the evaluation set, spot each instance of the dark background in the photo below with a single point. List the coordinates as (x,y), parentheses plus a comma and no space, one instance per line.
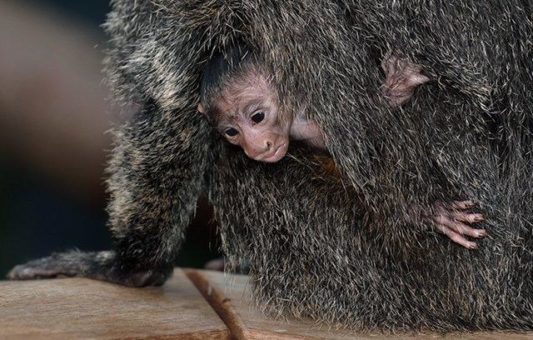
(54,114)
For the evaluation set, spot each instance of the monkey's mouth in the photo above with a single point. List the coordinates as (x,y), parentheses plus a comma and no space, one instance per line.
(278,153)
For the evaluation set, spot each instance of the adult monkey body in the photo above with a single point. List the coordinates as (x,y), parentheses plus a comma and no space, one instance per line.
(466,135)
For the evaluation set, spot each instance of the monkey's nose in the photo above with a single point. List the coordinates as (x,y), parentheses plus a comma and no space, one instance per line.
(268,145)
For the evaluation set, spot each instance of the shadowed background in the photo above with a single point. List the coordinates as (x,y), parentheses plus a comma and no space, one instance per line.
(54,115)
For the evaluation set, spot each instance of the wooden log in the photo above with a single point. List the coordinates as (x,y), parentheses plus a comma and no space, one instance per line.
(194,304)
(81,308)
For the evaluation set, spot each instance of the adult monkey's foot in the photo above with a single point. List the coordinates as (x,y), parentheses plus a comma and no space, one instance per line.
(101,266)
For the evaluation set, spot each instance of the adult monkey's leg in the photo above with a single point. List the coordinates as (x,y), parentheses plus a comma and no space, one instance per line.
(159,166)
(155,182)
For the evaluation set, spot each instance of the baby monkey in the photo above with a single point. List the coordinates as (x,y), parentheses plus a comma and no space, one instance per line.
(239,98)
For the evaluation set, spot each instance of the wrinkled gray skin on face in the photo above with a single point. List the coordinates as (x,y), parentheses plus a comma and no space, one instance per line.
(338,252)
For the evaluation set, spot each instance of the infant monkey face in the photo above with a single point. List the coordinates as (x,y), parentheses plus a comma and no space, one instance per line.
(255,126)
(247,114)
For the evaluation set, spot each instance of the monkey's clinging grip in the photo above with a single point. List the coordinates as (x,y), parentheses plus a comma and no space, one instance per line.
(454,220)
(402,78)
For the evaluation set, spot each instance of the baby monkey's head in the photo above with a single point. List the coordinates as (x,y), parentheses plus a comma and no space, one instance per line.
(239,99)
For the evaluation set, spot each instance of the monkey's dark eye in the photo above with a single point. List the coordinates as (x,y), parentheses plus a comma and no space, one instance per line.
(231,132)
(258,117)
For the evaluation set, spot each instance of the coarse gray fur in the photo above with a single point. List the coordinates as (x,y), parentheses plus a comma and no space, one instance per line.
(339,250)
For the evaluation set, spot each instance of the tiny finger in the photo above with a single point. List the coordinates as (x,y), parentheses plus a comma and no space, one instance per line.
(463,204)
(458,238)
(472,232)
(459,227)
(464,229)
(467,217)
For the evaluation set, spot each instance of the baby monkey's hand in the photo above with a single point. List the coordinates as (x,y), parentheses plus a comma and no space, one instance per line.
(454,220)
(402,77)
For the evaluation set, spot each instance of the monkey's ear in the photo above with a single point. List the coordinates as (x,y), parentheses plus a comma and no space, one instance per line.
(201,109)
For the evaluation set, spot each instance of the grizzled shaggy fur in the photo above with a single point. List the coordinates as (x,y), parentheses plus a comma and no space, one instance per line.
(337,249)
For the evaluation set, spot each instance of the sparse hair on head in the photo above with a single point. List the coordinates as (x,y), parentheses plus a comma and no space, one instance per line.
(219,70)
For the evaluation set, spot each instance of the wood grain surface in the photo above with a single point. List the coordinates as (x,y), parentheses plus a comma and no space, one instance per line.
(82,308)
(194,304)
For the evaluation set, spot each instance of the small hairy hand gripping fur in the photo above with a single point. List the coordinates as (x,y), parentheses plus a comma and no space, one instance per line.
(339,251)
